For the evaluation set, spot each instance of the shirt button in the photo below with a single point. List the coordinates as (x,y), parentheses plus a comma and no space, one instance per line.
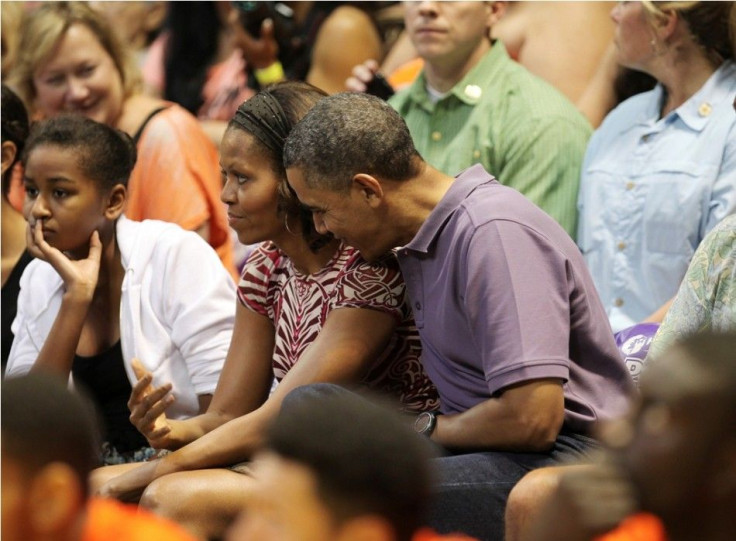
(630,185)
(618,302)
(476,154)
(436,136)
(621,245)
(705,109)
(418,305)
(473,92)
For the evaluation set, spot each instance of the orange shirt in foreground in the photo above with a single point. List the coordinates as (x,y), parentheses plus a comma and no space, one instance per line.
(425,534)
(639,527)
(110,520)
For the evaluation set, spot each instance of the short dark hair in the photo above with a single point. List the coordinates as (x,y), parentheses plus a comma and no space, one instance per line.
(365,458)
(14,127)
(106,155)
(346,134)
(43,421)
(257,117)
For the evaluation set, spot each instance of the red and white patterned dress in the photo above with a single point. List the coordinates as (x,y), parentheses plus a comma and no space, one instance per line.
(298,305)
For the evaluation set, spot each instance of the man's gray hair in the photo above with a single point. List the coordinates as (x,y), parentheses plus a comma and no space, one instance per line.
(347,134)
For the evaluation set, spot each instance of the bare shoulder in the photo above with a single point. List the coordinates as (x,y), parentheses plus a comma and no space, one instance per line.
(136,109)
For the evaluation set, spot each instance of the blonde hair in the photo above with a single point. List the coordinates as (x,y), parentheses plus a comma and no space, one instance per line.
(711,24)
(12,13)
(41,30)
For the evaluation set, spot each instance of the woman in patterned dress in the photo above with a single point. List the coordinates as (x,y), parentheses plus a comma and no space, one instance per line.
(310,310)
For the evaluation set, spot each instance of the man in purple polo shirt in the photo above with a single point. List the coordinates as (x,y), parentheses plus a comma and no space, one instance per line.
(513,333)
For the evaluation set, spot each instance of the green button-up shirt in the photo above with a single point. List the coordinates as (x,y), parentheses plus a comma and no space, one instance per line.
(519,127)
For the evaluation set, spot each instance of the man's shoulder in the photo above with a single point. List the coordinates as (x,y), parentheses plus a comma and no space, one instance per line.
(527,95)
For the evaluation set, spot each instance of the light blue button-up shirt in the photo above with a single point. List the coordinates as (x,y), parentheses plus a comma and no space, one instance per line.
(651,188)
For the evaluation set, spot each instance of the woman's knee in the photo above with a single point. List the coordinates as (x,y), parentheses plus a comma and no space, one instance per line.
(99,476)
(168,496)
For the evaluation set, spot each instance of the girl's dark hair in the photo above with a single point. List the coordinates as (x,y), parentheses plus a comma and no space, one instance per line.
(269,116)
(193,29)
(14,128)
(106,155)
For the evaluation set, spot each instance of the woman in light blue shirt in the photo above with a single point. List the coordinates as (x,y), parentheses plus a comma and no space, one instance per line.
(660,172)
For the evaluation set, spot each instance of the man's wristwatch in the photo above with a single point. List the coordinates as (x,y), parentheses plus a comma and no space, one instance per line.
(425,423)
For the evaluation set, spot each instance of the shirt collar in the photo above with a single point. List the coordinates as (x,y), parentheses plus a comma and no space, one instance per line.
(470,88)
(464,184)
(697,111)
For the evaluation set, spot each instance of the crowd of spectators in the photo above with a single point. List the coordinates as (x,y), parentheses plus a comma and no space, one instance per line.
(426,270)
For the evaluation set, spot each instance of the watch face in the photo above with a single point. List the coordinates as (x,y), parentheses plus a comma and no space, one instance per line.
(423,423)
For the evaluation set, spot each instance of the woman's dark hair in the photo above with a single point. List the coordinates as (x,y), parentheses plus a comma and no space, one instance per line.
(14,128)
(269,116)
(193,29)
(106,155)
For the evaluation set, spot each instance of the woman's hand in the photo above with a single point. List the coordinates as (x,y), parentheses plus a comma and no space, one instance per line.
(147,407)
(80,276)
(129,486)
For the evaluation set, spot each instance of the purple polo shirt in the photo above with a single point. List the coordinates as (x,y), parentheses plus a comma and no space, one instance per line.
(502,295)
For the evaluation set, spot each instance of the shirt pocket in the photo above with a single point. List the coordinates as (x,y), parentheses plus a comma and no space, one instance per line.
(676,195)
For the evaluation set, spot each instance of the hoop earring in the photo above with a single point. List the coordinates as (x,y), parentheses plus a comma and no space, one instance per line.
(286,224)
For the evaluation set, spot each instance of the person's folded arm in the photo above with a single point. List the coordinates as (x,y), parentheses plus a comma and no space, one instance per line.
(350,341)
(526,417)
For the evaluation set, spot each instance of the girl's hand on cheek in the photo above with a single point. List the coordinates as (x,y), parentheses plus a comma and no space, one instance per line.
(31,245)
(80,276)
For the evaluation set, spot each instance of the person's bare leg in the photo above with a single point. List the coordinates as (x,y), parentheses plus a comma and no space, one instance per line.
(205,502)
(102,475)
(526,500)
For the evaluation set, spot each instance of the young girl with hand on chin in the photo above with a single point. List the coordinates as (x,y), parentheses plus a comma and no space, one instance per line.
(105,290)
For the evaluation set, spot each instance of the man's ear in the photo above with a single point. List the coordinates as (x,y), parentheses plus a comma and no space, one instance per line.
(56,500)
(9,150)
(495,11)
(116,201)
(369,188)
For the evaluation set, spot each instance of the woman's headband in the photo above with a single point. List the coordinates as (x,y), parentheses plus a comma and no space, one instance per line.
(263,116)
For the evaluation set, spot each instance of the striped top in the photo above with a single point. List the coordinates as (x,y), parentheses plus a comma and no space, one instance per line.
(298,305)
(520,128)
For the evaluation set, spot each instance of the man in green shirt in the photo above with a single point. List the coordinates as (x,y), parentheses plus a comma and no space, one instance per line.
(473,104)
